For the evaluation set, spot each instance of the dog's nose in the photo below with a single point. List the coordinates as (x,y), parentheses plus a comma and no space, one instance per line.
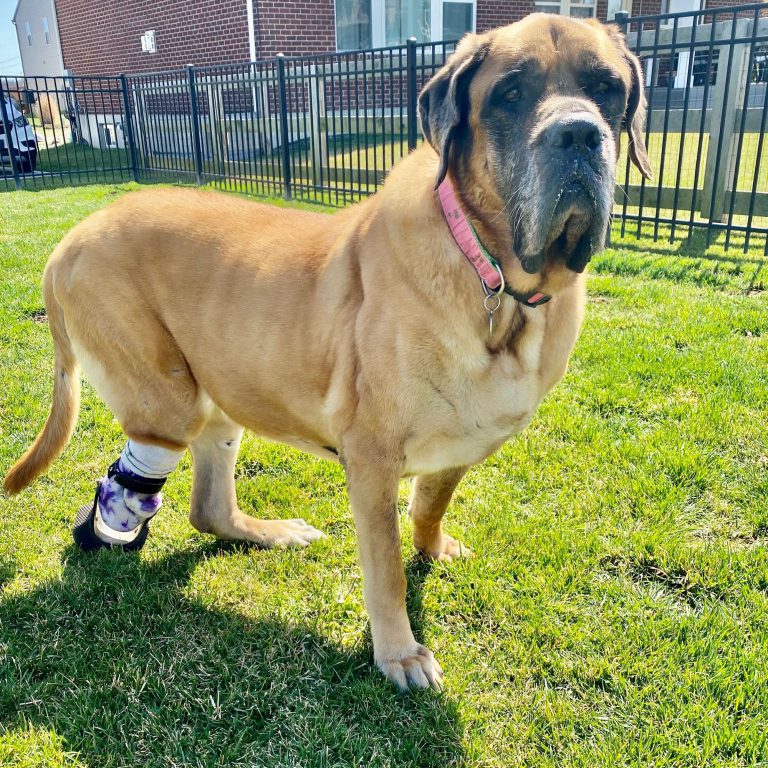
(580,134)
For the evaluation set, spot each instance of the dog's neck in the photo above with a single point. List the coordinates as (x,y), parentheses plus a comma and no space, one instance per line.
(486,266)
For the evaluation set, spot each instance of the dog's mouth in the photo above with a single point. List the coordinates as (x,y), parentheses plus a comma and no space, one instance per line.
(571,235)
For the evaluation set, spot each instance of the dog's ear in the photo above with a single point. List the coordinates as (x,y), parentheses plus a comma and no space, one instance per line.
(634,117)
(444,101)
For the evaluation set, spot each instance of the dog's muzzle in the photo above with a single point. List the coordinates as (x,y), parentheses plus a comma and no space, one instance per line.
(572,198)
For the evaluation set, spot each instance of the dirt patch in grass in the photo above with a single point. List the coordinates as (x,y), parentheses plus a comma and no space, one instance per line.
(38,316)
(673,580)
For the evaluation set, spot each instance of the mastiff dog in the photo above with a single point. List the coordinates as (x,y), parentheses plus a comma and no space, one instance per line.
(408,335)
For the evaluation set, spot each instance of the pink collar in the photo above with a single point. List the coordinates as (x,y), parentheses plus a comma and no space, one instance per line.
(466,238)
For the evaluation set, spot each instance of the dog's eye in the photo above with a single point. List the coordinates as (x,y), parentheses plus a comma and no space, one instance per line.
(603,87)
(513,94)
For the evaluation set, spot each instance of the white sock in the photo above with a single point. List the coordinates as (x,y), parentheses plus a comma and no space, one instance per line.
(150,461)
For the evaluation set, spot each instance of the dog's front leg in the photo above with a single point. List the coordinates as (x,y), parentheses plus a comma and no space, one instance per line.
(372,482)
(430,498)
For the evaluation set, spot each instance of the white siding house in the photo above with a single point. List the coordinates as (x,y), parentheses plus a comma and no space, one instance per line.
(38,35)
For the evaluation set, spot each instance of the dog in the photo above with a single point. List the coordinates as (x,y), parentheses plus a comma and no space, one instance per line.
(409,335)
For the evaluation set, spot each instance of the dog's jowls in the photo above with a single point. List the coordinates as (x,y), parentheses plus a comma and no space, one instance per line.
(360,336)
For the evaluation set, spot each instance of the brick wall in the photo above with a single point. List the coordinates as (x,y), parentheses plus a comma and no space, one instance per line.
(728,4)
(106,37)
(495,13)
(294,27)
(645,7)
(648,7)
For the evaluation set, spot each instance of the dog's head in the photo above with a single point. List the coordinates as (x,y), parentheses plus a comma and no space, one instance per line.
(527,121)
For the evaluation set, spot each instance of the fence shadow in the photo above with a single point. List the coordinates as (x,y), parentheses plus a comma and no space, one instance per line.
(194,684)
(690,260)
(694,245)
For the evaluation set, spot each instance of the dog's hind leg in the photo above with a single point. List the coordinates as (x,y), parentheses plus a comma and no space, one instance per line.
(430,498)
(214,504)
(126,499)
(146,383)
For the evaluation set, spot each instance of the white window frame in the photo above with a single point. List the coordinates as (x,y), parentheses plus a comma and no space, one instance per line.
(566,5)
(378,20)
(28,31)
(46,31)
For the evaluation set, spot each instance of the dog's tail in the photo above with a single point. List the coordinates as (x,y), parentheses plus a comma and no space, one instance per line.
(64,408)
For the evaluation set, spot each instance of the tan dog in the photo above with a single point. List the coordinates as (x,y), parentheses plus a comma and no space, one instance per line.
(362,336)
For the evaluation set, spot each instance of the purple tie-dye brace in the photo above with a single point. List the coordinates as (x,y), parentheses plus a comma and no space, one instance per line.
(124,510)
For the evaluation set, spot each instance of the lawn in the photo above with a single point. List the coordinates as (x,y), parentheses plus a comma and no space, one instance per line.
(615,613)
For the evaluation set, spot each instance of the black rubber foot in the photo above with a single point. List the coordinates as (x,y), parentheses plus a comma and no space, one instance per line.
(87,539)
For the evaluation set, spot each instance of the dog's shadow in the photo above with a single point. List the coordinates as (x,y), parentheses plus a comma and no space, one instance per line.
(196,684)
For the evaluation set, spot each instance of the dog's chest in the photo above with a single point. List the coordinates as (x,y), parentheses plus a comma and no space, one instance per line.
(473,407)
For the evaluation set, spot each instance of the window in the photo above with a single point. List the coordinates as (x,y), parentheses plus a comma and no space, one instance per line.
(407,18)
(353,25)
(108,134)
(581,9)
(376,23)
(457,19)
(28,30)
(46,33)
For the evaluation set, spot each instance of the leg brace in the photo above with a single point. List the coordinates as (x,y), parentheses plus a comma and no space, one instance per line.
(130,493)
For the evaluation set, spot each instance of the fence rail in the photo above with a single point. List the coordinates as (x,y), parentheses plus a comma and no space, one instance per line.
(327,127)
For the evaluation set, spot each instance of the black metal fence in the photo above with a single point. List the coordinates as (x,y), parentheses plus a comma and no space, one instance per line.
(327,127)
(707,88)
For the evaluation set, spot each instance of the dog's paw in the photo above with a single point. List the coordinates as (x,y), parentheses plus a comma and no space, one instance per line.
(416,668)
(445,548)
(288,533)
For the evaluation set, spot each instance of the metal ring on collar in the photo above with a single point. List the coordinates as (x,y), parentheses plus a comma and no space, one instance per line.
(489,297)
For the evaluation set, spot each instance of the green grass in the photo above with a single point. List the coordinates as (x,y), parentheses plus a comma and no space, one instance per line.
(615,614)
(693,147)
(85,163)
(72,164)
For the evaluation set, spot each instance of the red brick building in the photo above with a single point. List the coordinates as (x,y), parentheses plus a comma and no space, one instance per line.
(107,38)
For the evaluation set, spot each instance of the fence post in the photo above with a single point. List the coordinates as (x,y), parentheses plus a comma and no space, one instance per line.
(729,91)
(128,127)
(284,126)
(413,123)
(7,126)
(316,86)
(216,121)
(195,126)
